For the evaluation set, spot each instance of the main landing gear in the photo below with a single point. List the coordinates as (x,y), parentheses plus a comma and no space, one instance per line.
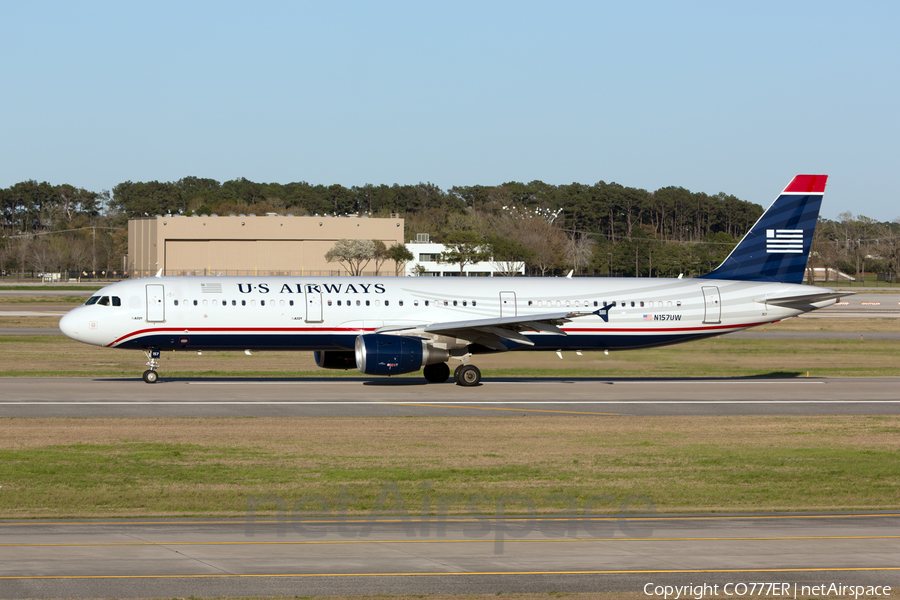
(150,375)
(467,375)
(464,375)
(436,373)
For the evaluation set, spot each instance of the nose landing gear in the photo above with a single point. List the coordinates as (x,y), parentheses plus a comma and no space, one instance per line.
(150,375)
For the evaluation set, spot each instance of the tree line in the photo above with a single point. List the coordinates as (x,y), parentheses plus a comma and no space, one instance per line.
(598,229)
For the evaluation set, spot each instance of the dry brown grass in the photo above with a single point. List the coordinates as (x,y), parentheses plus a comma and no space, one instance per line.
(465,439)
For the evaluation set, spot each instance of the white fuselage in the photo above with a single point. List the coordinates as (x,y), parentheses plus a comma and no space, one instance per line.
(328,313)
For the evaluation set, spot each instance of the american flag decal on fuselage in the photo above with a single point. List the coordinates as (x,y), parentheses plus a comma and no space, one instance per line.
(784,240)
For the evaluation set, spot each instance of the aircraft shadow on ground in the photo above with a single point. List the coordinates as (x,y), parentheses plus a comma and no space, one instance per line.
(413,381)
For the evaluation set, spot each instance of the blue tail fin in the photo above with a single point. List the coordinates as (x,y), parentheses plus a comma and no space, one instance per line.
(777,247)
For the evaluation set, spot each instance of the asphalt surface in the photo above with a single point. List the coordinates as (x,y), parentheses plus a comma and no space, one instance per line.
(374,397)
(294,555)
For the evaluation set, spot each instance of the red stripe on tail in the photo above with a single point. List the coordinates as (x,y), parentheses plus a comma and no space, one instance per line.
(807,184)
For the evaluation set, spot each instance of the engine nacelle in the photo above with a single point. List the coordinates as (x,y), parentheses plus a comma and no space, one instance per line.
(335,359)
(381,354)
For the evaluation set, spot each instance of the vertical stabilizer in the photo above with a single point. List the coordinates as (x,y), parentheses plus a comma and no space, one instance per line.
(777,246)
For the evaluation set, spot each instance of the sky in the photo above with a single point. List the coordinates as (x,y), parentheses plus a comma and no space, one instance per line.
(733,97)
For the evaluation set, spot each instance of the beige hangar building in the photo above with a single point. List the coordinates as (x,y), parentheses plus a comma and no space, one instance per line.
(250,245)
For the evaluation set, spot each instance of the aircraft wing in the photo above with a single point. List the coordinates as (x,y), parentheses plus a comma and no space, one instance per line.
(802,299)
(493,332)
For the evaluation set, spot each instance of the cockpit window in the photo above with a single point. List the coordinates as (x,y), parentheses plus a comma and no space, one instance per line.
(92,300)
(116,301)
(104,301)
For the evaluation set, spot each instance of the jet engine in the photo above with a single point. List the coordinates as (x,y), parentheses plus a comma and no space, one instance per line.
(381,354)
(335,359)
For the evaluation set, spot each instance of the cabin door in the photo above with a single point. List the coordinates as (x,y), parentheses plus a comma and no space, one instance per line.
(712,305)
(313,305)
(156,306)
(508,304)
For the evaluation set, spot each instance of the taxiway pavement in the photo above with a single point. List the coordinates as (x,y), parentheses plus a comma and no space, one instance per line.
(372,397)
(294,555)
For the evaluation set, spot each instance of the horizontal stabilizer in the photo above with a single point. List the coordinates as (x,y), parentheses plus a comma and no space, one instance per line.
(802,299)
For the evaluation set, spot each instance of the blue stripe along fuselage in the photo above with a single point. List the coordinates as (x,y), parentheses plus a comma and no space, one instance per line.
(345,341)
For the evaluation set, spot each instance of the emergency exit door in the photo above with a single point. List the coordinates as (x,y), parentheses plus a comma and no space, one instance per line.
(508,304)
(313,305)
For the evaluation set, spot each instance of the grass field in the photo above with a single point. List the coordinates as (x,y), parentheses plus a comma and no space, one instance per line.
(210,466)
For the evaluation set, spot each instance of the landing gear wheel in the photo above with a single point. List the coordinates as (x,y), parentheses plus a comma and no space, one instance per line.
(437,373)
(151,376)
(468,375)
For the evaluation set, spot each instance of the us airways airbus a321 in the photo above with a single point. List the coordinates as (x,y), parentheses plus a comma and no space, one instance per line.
(396,325)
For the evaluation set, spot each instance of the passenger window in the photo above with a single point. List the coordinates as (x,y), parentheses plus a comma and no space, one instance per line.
(234,302)
(473,303)
(400,302)
(669,304)
(387,302)
(465,302)
(175,302)
(92,300)
(263,303)
(357,303)
(632,304)
(529,303)
(642,304)
(281,303)
(678,303)
(567,304)
(367,303)
(445,303)
(215,302)
(415,302)
(558,303)
(205,302)
(329,303)
(595,303)
(651,304)
(118,301)
(291,302)
(243,303)
(104,301)
(339,302)
(426,303)
(195,303)
(253,303)
(454,303)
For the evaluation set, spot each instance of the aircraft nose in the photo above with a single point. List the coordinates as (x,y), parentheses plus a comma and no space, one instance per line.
(69,325)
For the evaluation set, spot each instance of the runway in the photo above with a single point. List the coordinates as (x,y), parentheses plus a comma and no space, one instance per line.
(380,397)
(295,556)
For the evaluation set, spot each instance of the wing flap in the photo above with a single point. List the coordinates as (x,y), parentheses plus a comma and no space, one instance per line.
(492,333)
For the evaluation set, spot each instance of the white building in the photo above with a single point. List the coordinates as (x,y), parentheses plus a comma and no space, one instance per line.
(425,262)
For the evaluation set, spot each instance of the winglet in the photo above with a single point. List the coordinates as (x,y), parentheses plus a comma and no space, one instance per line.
(159,273)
